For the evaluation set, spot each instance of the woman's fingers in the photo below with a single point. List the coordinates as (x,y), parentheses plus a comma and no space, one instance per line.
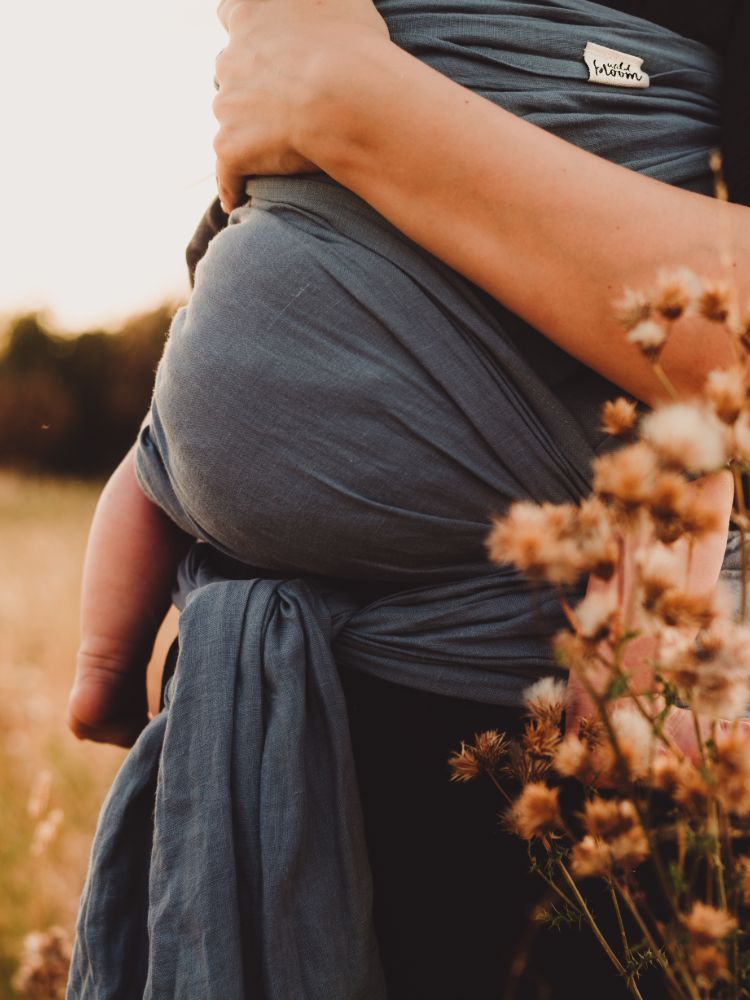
(278,53)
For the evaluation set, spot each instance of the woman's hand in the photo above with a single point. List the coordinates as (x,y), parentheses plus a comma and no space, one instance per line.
(269,73)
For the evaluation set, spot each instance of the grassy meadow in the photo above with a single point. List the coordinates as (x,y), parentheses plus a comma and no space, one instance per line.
(51,786)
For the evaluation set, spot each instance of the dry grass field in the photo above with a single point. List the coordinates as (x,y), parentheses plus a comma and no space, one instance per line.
(51,786)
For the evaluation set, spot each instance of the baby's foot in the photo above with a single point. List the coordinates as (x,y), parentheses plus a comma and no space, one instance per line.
(108,701)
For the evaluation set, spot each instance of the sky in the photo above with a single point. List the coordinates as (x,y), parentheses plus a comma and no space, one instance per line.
(106,162)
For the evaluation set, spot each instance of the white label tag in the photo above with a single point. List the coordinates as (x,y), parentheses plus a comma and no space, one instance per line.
(613,68)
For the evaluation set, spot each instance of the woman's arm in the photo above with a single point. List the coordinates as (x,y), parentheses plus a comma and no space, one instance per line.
(553,232)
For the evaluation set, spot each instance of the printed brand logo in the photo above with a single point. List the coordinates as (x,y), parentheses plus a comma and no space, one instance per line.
(613,68)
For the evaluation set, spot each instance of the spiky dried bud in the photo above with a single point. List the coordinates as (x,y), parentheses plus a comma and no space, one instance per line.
(676,293)
(687,436)
(541,738)
(490,747)
(536,812)
(619,417)
(591,858)
(726,389)
(546,699)
(464,764)
(626,477)
(649,337)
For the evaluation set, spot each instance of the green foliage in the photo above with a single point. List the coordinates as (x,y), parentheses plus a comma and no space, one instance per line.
(73,404)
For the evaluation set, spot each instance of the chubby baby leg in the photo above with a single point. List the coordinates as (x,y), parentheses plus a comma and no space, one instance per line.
(131,561)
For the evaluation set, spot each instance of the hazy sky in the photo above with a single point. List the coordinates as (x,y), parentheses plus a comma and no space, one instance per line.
(106,163)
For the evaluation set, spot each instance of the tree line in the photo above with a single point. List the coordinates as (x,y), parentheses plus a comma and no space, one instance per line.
(72,405)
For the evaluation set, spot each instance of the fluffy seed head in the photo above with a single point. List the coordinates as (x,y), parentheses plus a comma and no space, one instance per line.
(545,699)
(649,337)
(687,436)
(590,858)
(538,540)
(536,811)
(635,737)
(716,301)
(632,308)
(595,615)
(626,477)
(676,293)
(726,390)
(706,924)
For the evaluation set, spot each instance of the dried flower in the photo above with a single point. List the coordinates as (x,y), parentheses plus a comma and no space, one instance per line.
(45,960)
(687,436)
(731,769)
(716,301)
(595,615)
(708,963)
(727,392)
(545,699)
(596,538)
(40,793)
(635,739)
(464,764)
(490,747)
(523,767)
(659,570)
(680,609)
(692,792)
(538,540)
(45,832)
(742,869)
(676,293)
(536,812)
(706,924)
(666,773)
(590,858)
(619,418)
(608,818)
(541,738)
(632,308)
(649,337)
(576,759)
(630,848)
(627,476)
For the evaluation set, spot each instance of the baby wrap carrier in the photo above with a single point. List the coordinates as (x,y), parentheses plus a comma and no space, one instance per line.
(337,415)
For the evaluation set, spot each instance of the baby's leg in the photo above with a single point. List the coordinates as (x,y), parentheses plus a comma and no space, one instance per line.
(131,561)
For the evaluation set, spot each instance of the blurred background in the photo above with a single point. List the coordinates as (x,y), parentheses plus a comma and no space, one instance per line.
(106,168)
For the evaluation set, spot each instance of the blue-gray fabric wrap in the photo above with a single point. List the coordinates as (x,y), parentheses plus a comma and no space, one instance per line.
(337,415)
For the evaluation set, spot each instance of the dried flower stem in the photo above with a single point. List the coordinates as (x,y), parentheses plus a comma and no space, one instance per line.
(686,990)
(632,987)
(739,495)
(621,927)
(664,381)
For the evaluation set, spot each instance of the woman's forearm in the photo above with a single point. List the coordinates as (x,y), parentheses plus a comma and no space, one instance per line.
(553,232)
